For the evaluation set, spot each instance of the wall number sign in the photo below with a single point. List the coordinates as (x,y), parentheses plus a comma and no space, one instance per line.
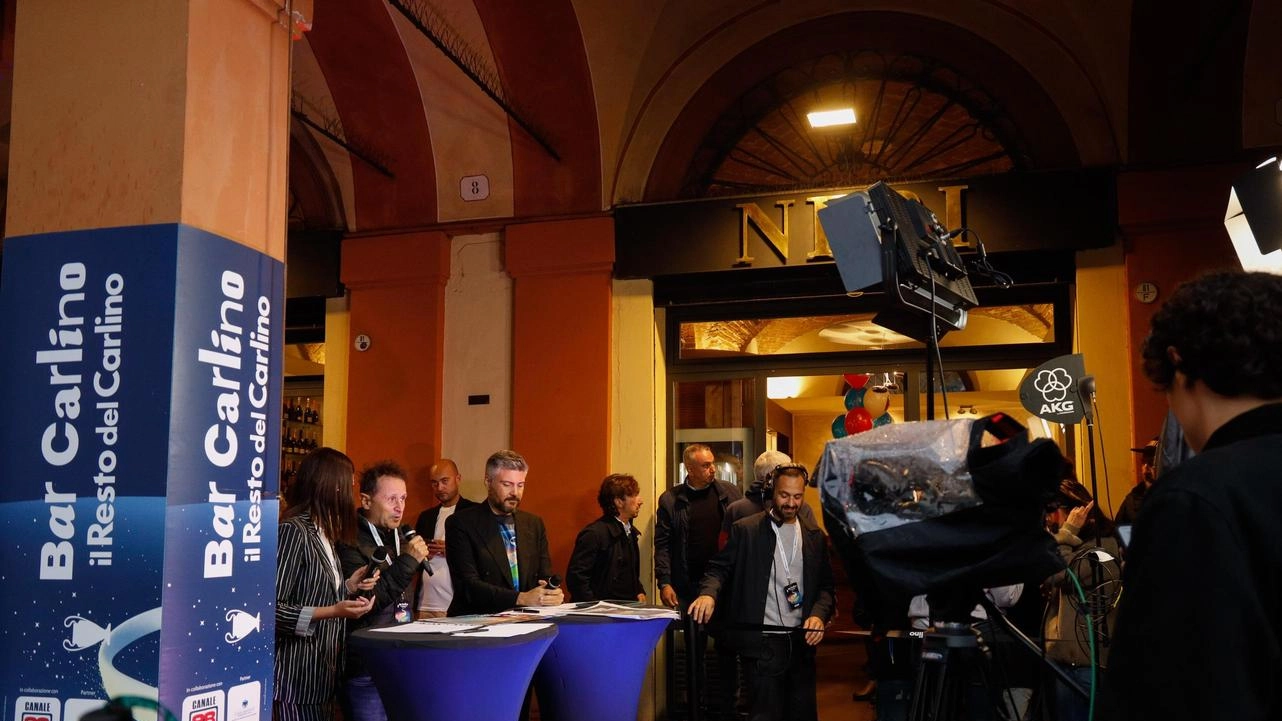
(1146,292)
(474,187)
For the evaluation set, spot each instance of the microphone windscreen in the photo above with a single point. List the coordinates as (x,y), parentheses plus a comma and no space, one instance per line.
(554,581)
(376,559)
(1086,386)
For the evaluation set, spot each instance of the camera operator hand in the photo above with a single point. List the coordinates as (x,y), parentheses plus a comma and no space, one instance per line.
(702,608)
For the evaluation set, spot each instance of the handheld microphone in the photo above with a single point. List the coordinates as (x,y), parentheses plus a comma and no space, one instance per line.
(406,535)
(553,582)
(376,559)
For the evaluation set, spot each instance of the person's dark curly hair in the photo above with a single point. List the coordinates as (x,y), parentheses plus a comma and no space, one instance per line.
(1226,329)
(375,471)
(616,485)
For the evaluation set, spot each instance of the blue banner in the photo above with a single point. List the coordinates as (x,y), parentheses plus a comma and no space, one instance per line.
(142,379)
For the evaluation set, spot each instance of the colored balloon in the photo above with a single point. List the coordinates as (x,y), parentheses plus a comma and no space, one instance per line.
(882,420)
(858,421)
(855,398)
(876,400)
(856,380)
(839,426)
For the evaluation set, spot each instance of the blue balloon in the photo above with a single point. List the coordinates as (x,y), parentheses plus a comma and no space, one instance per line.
(839,426)
(882,420)
(855,398)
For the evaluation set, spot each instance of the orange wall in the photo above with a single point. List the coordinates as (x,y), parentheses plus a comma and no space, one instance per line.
(561,369)
(1172,223)
(397,287)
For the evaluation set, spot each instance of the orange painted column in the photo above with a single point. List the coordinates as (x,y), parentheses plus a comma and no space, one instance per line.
(1172,223)
(561,272)
(397,291)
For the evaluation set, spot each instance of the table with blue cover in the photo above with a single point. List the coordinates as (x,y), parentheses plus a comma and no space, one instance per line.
(460,677)
(595,667)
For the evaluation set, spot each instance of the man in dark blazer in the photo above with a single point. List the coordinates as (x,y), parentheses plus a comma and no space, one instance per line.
(436,591)
(775,569)
(498,556)
(606,562)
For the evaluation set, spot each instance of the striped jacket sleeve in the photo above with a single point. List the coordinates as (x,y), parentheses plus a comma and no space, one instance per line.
(292,549)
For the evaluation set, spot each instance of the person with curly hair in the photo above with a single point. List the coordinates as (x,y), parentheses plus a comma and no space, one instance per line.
(606,562)
(1199,631)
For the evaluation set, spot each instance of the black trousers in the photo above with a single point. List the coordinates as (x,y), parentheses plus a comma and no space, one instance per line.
(781,679)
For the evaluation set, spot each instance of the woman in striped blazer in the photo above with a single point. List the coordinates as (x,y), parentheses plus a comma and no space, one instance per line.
(311,609)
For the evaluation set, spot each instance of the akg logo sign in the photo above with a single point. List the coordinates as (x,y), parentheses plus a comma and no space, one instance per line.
(1053,384)
(1050,390)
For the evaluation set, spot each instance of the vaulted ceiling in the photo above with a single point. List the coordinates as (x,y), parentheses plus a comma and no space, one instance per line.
(574,106)
(569,107)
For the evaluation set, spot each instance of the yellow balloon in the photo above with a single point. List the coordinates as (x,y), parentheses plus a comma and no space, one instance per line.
(876,400)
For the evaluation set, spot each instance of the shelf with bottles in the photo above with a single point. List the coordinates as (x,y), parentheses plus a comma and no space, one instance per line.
(300,410)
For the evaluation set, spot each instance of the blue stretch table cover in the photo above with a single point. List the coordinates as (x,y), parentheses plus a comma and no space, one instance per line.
(439,677)
(595,667)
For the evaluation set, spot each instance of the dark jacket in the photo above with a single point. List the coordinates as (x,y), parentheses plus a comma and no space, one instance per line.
(309,652)
(743,567)
(606,563)
(1199,631)
(671,525)
(395,584)
(1130,508)
(426,523)
(478,560)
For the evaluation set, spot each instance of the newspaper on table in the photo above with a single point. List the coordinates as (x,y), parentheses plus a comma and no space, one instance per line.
(616,610)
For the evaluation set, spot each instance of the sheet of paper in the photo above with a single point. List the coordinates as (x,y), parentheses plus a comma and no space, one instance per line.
(506,630)
(426,627)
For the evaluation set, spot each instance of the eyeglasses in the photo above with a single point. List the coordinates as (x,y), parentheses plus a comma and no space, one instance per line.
(791,469)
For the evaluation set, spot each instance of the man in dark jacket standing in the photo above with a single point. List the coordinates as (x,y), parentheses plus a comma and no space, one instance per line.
(1199,631)
(606,562)
(776,568)
(687,525)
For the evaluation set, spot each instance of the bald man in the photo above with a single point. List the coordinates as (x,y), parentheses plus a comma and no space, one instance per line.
(437,589)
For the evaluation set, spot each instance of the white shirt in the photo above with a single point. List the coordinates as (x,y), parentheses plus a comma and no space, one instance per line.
(438,589)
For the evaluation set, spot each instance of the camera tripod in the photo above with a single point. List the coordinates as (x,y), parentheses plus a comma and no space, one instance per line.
(950,665)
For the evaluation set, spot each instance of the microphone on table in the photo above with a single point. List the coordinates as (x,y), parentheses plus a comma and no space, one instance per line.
(425,563)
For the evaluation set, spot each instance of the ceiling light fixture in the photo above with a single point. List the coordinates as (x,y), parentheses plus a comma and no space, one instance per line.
(831,118)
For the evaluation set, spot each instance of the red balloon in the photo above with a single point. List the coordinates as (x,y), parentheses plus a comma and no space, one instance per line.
(856,380)
(858,420)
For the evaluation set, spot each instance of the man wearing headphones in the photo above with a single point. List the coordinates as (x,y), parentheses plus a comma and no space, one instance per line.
(775,566)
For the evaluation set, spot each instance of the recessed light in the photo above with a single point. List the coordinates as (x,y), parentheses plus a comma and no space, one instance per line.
(830,118)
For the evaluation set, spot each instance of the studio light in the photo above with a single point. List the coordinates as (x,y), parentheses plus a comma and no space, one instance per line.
(1254,218)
